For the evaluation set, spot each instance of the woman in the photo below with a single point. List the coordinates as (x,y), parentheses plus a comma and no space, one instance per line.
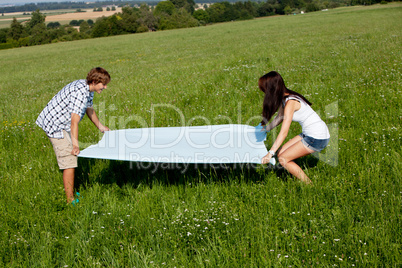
(291,106)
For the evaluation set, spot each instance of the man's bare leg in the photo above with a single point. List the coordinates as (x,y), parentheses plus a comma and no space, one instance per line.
(68,180)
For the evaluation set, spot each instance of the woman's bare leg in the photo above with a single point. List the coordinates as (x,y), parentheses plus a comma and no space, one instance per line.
(291,152)
(288,144)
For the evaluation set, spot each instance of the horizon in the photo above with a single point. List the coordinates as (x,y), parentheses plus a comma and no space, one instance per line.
(22,2)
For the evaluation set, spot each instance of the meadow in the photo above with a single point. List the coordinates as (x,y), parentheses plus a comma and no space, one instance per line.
(346,61)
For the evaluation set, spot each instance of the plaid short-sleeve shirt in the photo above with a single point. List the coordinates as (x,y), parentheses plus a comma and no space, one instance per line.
(56,116)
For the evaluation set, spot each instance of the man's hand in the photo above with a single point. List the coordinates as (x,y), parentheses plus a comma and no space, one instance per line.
(75,119)
(94,118)
(75,151)
(103,128)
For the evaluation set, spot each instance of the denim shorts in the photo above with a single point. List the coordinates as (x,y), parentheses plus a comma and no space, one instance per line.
(314,144)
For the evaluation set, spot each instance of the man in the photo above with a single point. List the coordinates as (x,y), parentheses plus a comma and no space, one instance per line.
(60,118)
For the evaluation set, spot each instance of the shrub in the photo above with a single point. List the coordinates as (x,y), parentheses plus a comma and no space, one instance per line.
(142,29)
(84,27)
(3,35)
(6,45)
(311,7)
(53,25)
(201,15)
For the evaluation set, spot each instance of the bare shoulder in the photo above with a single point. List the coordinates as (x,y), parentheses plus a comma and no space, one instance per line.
(292,105)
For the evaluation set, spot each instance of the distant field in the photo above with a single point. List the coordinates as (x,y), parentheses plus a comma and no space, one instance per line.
(62,16)
(89,14)
(347,62)
(5,21)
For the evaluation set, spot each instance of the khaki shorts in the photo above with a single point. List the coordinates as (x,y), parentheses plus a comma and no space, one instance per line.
(62,148)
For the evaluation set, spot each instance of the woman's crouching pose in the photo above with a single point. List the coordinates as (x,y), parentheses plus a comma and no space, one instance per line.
(291,106)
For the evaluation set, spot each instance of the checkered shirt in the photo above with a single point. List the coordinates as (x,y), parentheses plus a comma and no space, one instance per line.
(56,116)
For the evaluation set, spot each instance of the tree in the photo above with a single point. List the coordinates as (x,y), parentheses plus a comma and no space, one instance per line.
(201,15)
(251,8)
(36,19)
(84,27)
(215,12)
(53,25)
(130,17)
(267,9)
(164,7)
(16,30)
(107,26)
(186,4)
(147,18)
(100,28)
(180,19)
(3,35)
(245,10)
(74,23)
(311,7)
(55,34)
(287,10)
(39,35)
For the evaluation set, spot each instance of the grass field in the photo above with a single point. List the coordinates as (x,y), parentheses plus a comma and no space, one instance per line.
(346,61)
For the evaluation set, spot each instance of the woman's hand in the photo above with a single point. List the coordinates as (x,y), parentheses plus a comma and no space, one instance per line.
(266,159)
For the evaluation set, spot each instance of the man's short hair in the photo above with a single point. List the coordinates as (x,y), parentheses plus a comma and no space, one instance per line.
(98,75)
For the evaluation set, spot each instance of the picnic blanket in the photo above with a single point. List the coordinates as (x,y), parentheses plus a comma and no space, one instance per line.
(232,143)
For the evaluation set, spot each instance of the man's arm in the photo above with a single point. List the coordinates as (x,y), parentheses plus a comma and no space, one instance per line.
(75,119)
(94,118)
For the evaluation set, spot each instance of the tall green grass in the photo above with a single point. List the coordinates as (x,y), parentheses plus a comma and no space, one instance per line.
(346,61)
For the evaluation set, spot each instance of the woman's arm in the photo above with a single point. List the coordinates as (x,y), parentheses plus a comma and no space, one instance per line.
(277,120)
(290,107)
(94,118)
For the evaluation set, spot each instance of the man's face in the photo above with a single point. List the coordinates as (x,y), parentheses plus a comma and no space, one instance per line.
(97,87)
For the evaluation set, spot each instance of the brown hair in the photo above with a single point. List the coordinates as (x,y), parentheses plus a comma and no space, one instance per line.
(273,86)
(98,75)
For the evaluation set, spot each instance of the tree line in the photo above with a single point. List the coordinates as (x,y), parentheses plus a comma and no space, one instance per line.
(68,5)
(171,14)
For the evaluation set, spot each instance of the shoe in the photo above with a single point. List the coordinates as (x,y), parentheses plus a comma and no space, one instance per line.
(75,201)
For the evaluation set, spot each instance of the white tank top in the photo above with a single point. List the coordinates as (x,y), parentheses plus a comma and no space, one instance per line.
(311,123)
